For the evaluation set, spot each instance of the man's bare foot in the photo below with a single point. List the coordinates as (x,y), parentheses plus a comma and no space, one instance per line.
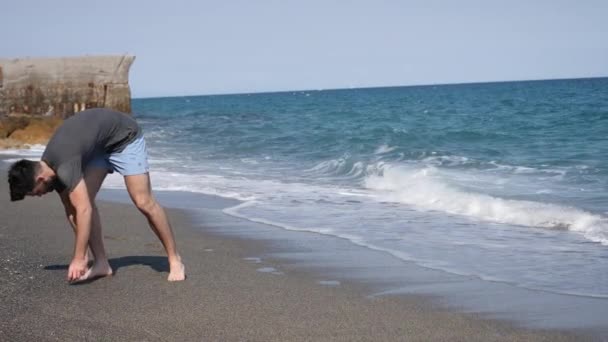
(177,270)
(99,269)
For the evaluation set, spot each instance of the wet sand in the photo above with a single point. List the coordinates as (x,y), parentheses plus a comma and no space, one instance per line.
(226,297)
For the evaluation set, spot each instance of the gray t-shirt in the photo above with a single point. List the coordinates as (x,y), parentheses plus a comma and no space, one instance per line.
(84,136)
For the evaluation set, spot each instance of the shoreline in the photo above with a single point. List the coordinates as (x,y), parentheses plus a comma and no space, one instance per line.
(338,260)
(237,288)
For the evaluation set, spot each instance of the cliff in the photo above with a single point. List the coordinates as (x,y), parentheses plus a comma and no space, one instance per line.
(60,87)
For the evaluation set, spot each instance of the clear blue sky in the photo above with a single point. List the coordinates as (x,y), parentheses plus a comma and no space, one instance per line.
(226,46)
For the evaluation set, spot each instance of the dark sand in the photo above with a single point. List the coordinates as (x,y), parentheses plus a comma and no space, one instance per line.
(224,298)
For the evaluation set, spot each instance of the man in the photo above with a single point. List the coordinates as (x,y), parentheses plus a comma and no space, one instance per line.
(75,163)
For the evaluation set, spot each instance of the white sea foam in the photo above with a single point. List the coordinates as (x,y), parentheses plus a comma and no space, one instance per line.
(342,167)
(385,149)
(205,184)
(31,151)
(329,282)
(446,160)
(425,188)
(328,167)
(554,172)
(359,239)
(240,187)
(249,161)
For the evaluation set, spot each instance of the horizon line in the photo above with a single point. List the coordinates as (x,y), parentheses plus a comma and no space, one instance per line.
(372,87)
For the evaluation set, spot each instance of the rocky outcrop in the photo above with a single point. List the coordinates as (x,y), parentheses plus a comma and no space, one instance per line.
(19,131)
(61,87)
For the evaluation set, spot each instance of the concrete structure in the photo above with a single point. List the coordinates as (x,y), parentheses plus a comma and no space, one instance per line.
(63,86)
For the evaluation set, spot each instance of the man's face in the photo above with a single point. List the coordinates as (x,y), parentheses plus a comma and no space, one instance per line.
(43,186)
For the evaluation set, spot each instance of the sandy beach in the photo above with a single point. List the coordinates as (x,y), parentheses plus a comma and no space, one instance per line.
(225,298)
(358,171)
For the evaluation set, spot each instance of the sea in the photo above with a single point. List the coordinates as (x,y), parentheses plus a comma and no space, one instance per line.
(505,182)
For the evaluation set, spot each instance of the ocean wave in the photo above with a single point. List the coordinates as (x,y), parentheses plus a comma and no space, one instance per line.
(518,169)
(344,165)
(425,188)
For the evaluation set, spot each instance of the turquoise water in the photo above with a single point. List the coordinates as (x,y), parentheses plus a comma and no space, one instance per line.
(506,182)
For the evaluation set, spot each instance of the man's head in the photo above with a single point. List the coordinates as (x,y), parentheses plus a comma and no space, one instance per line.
(25,177)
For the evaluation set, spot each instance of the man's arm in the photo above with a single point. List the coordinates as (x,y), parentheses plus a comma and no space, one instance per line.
(70,212)
(79,199)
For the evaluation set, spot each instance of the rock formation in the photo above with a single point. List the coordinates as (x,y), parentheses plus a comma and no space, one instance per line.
(17,132)
(63,86)
(36,94)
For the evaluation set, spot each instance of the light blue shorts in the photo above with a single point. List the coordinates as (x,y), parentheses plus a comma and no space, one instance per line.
(132,160)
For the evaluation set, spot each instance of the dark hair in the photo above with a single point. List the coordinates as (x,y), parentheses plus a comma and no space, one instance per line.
(22,178)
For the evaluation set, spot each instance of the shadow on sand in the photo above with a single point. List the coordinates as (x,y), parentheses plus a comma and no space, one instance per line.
(157,263)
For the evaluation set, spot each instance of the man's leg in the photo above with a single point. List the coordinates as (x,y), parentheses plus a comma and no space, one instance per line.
(140,191)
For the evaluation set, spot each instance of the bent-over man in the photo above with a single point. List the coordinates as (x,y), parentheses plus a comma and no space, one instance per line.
(75,163)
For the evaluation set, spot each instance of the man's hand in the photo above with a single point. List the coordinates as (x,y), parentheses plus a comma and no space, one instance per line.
(77,269)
